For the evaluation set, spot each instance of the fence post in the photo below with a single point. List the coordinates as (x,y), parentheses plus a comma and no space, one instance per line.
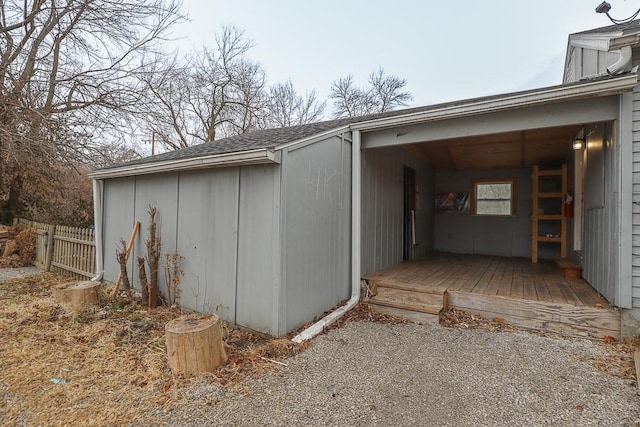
(51,231)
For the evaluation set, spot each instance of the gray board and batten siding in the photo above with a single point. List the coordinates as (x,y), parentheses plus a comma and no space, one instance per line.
(382,207)
(316,229)
(509,236)
(601,220)
(264,246)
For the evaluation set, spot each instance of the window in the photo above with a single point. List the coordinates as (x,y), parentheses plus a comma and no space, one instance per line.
(494,197)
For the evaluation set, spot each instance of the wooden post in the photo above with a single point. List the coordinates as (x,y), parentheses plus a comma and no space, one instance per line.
(51,231)
(136,227)
(636,359)
(79,295)
(195,345)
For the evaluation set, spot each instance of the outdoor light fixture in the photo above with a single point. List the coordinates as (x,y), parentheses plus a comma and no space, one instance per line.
(605,7)
(578,144)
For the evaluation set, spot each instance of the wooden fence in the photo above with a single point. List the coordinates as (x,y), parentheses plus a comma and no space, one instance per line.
(62,249)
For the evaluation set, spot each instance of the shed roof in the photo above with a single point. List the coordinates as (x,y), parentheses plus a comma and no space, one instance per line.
(258,146)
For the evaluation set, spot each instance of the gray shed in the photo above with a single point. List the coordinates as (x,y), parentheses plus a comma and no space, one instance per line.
(277,226)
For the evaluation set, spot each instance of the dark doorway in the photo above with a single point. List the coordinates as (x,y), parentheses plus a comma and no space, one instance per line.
(409,201)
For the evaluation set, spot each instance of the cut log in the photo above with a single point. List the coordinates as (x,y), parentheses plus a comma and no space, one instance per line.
(79,295)
(195,345)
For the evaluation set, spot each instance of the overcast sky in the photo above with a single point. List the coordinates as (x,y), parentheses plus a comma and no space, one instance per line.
(446,50)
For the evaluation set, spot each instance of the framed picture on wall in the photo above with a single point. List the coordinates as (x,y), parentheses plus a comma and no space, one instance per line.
(452,201)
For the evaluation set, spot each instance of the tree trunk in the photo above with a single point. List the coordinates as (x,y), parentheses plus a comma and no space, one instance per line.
(121,256)
(144,286)
(153,257)
(12,205)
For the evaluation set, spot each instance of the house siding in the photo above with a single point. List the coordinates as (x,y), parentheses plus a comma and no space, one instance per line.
(382,207)
(583,63)
(316,229)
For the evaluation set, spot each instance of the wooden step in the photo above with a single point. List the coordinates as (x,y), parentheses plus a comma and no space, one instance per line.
(411,304)
(374,284)
(416,301)
(569,267)
(414,316)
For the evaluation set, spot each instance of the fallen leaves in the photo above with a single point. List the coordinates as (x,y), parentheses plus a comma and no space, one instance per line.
(454,318)
(114,353)
(618,358)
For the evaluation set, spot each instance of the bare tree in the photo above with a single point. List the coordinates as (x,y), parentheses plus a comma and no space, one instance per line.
(69,79)
(215,92)
(385,93)
(288,108)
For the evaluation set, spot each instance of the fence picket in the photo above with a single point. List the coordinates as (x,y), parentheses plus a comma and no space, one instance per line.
(63,249)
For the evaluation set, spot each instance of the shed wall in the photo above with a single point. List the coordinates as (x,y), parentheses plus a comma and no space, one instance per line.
(583,63)
(119,217)
(600,234)
(222,221)
(382,206)
(207,238)
(316,229)
(635,132)
(486,235)
(258,281)
(160,191)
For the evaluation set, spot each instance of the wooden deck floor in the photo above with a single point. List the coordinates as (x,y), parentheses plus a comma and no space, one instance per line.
(492,275)
(531,296)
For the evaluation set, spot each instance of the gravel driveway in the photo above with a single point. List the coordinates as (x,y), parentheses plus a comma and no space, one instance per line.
(379,374)
(15,273)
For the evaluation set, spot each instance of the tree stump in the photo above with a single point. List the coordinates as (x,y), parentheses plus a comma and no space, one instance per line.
(79,295)
(195,345)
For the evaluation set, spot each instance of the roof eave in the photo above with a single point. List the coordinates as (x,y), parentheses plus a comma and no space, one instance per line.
(251,157)
(604,42)
(313,138)
(611,86)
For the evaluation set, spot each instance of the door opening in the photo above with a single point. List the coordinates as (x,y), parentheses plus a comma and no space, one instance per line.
(409,226)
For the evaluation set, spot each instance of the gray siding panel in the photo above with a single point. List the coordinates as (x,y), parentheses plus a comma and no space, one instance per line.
(382,207)
(119,218)
(160,191)
(316,203)
(467,234)
(585,63)
(207,238)
(258,263)
(636,191)
(601,220)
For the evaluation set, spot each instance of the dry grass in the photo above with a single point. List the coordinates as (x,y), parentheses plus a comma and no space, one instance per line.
(113,359)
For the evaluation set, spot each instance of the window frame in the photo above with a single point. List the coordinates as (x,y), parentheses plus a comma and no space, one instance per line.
(474,195)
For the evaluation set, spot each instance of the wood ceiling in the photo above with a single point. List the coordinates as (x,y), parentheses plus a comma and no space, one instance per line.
(521,149)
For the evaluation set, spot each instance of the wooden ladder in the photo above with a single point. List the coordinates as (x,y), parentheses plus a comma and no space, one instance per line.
(556,216)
